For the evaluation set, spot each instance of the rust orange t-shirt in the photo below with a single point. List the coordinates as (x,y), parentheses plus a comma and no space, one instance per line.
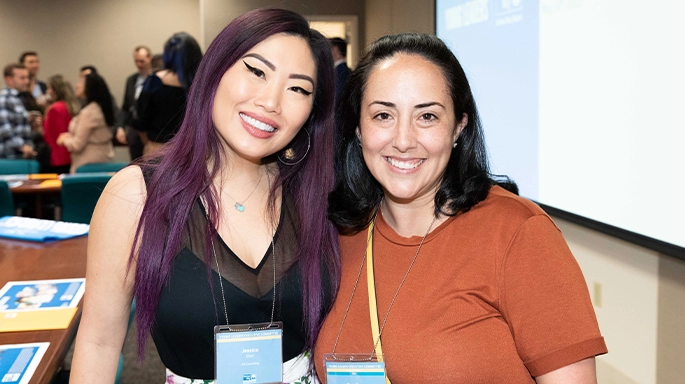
(495,296)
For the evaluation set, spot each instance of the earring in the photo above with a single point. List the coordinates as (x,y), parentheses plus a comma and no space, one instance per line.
(289,153)
(454,145)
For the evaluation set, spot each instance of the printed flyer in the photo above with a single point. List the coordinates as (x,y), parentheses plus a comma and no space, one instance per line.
(18,362)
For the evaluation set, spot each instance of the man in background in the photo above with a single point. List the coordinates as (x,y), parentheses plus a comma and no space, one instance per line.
(15,128)
(142,57)
(342,71)
(37,88)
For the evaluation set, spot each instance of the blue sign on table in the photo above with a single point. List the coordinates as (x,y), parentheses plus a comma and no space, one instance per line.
(18,362)
(25,228)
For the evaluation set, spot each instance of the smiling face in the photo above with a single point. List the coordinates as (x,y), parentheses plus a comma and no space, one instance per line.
(264,99)
(19,80)
(32,63)
(407,127)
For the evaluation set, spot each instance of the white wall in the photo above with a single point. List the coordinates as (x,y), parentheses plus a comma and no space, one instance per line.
(219,13)
(396,16)
(640,308)
(629,279)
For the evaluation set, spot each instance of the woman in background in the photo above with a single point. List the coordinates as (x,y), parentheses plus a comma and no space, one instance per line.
(57,117)
(89,139)
(227,222)
(161,104)
(473,284)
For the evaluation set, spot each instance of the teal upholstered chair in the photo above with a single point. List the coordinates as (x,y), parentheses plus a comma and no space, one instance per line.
(18,166)
(6,201)
(101,167)
(80,193)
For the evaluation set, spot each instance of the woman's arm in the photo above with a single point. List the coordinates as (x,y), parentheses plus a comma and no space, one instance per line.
(109,288)
(85,122)
(582,372)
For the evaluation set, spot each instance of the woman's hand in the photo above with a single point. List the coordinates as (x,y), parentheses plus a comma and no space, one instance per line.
(63,137)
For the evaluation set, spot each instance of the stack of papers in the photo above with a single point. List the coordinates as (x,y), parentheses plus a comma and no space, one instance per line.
(39,304)
(14,181)
(26,228)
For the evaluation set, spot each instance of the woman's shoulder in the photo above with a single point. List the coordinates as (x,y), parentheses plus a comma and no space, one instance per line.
(91,109)
(167,78)
(58,107)
(352,240)
(508,206)
(93,113)
(127,185)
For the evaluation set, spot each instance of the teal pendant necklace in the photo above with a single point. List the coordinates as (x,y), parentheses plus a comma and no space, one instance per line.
(239,204)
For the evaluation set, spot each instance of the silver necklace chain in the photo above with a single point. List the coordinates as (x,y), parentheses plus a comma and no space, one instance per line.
(239,205)
(273,257)
(356,282)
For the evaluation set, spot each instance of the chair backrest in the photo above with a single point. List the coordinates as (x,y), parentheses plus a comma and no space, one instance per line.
(6,201)
(18,166)
(80,193)
(101,167)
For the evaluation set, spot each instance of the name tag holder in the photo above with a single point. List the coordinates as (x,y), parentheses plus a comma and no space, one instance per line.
(354,368)
(248,353)
(366,368)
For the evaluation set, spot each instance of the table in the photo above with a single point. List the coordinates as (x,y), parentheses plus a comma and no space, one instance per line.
(38,186)
(23,260)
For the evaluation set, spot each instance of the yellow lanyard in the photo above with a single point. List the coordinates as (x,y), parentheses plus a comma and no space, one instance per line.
(373,307)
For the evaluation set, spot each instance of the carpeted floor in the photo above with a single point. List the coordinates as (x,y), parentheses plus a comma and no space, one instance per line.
(151,372)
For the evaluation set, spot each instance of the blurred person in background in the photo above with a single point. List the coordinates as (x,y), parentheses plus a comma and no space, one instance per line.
(161,104)
(89,139)
(37,88)
(15,124)
(342,71)
(134,85)
(83,72)
(57,118)
(157,62)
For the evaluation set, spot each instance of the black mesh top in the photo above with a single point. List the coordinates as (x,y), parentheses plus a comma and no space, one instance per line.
(190,307)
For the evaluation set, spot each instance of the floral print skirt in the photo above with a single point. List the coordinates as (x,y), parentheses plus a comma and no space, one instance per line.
(295,371)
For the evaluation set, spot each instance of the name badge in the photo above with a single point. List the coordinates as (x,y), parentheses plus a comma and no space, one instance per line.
(353,369)
(248,353)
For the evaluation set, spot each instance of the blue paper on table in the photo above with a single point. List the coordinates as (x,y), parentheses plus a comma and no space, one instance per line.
(18,362)
(25,228)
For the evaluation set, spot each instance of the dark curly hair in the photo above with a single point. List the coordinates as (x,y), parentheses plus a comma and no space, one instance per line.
(467,178)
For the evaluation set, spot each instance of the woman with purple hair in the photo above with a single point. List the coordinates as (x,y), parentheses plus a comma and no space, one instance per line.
(225,225)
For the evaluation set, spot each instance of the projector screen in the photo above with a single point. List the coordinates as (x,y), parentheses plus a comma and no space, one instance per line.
(582,103)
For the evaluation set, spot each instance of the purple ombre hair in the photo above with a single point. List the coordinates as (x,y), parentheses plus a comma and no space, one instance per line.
(181,174)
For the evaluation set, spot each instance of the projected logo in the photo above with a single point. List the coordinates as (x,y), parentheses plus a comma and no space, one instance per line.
(508,4)
(249,378)
(468,13)
(509,12)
